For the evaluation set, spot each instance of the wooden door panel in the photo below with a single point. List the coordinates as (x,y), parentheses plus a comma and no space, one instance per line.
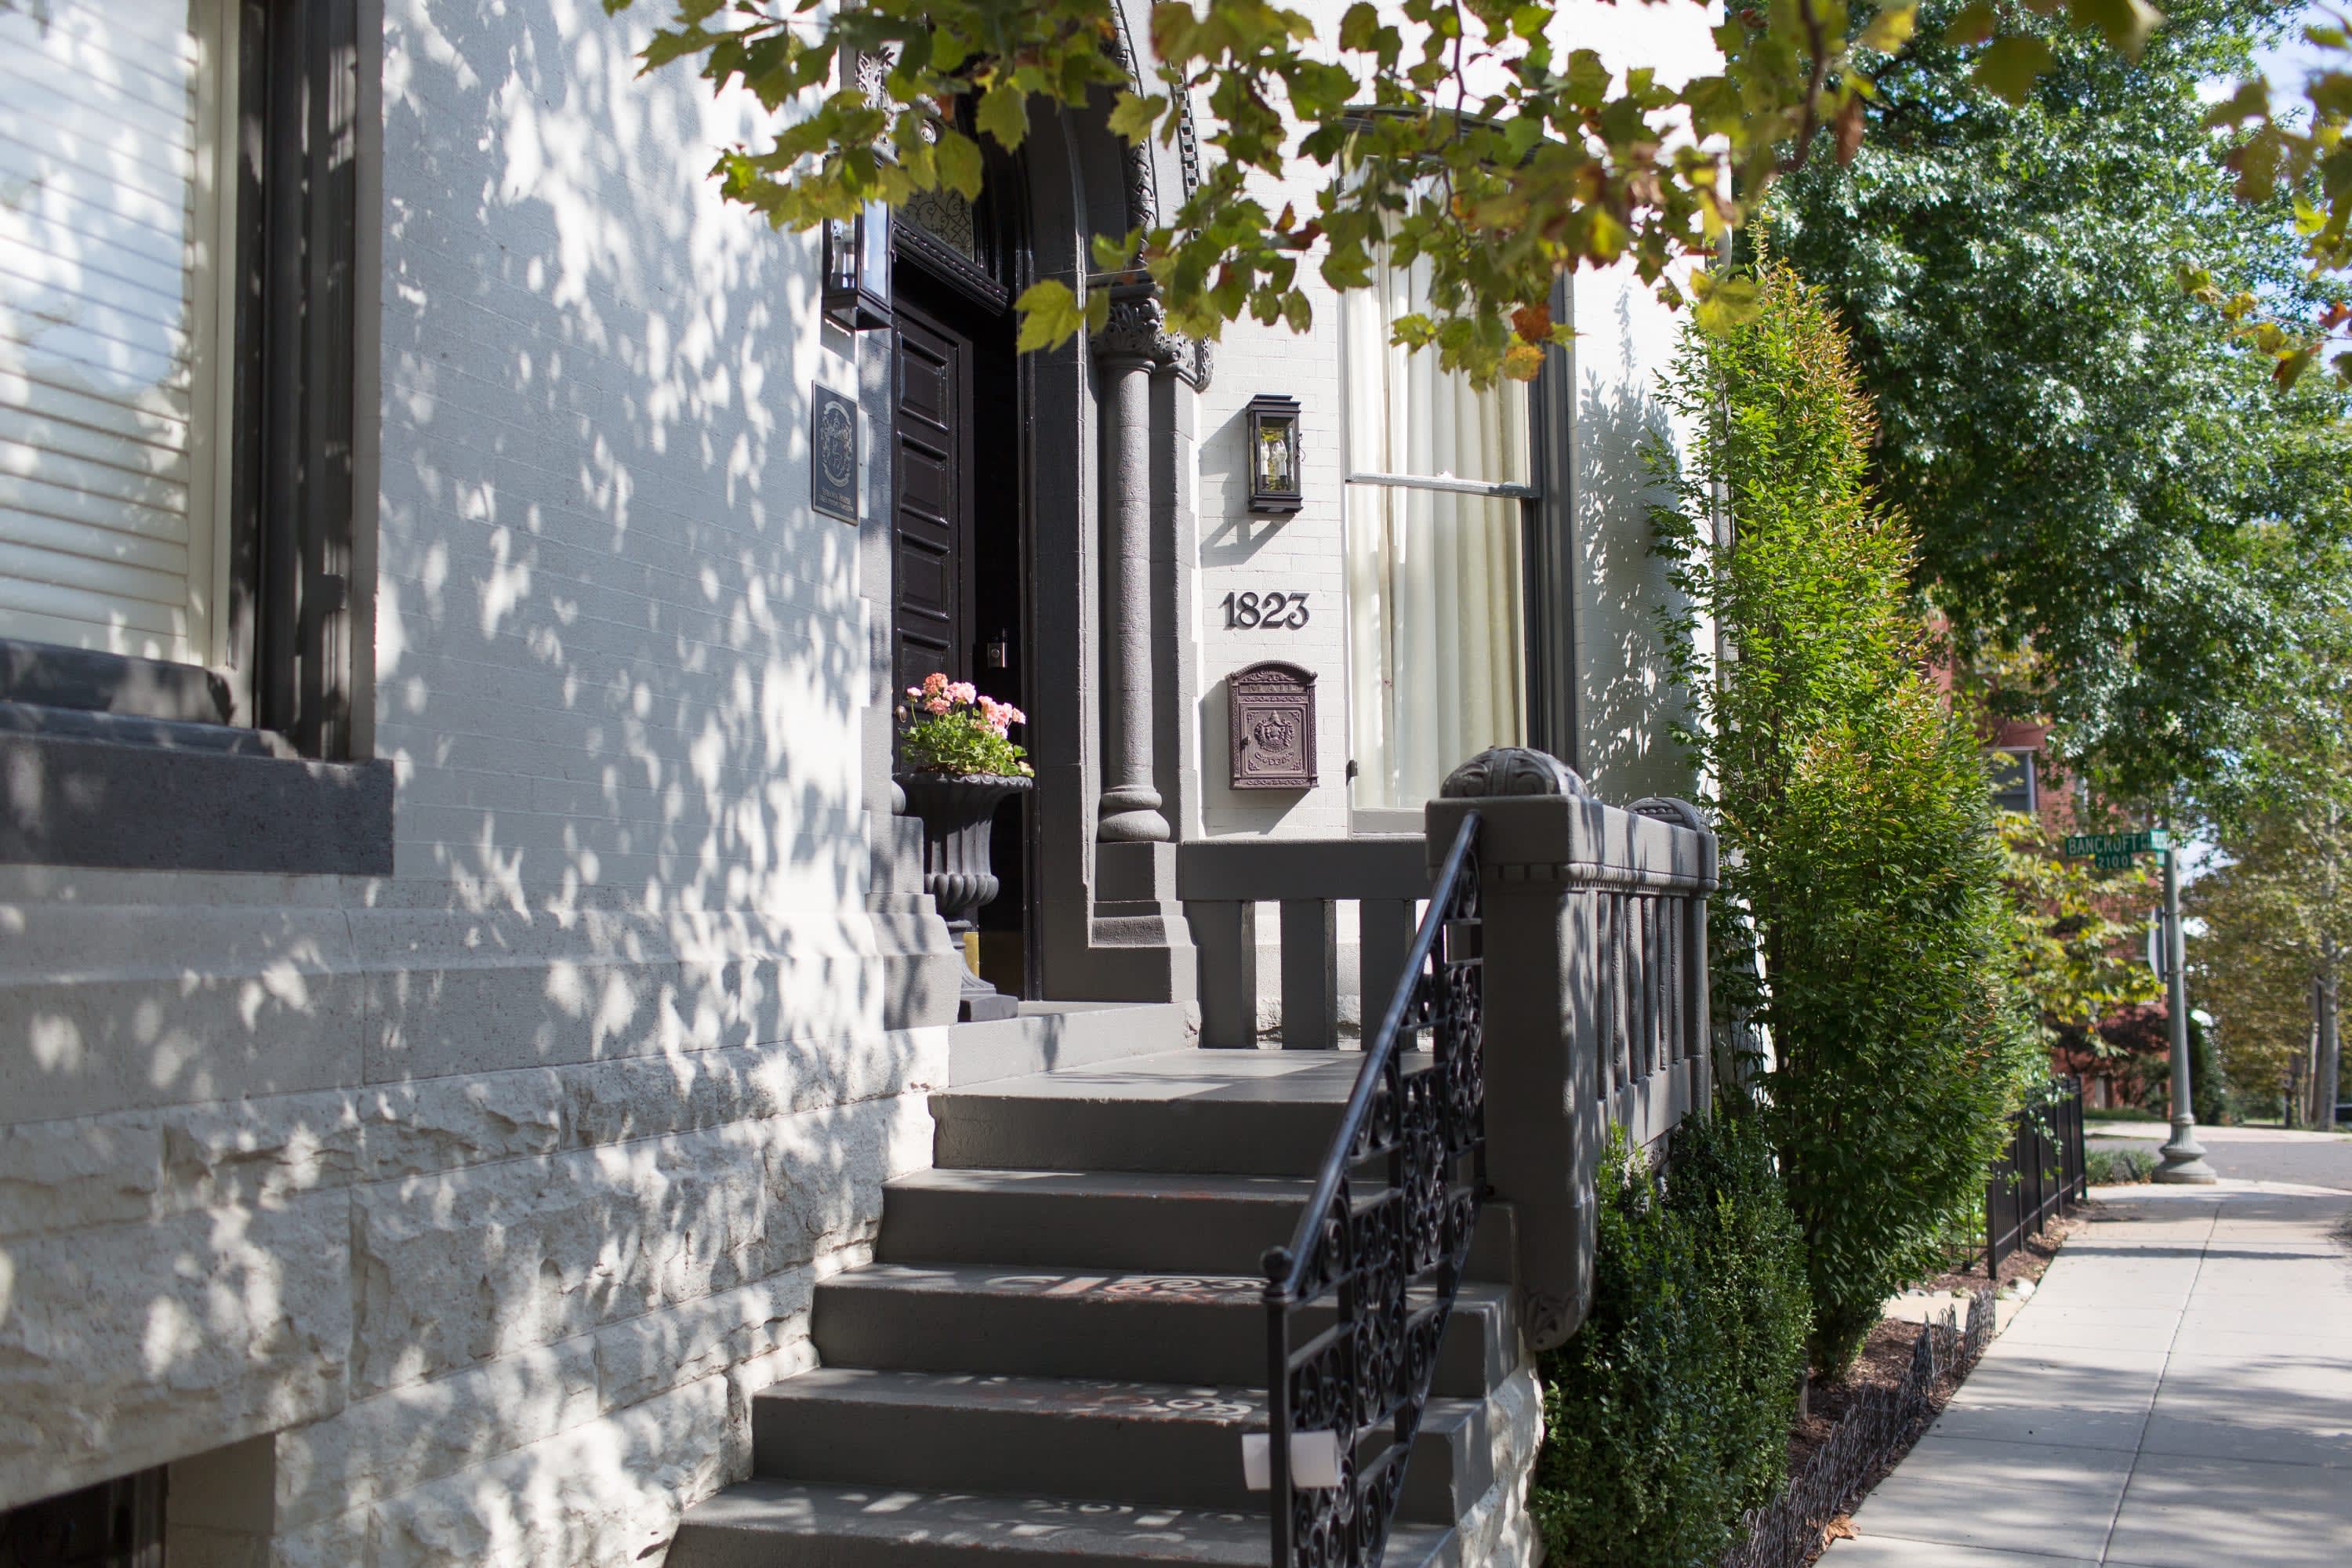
(931,500)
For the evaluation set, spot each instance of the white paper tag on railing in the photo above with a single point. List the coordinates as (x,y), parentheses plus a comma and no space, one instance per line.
(1314,1459)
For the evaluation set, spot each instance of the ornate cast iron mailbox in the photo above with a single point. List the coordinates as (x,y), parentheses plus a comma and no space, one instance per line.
(1273,454)
(1273,707)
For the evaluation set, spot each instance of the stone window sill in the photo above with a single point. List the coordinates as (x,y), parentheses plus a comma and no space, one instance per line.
(106,790)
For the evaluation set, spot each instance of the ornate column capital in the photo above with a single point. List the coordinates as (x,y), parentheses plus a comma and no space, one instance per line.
(1138,329)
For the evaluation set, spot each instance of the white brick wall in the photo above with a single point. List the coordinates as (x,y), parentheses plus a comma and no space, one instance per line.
(616,646)
(484,1195)
(1624,709)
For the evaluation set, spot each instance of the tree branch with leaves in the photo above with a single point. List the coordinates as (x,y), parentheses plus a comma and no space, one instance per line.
(1457,132)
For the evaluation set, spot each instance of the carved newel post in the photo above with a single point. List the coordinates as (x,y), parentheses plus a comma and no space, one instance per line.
(1548,855)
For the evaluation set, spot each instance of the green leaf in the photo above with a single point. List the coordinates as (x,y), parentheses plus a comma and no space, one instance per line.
(1003,113)
(1113,252)
(1050,316)
(1724,304)
(1133,115)
(2012,65)
(2125,22)
(958,157)
(1890,29)
(1974,24)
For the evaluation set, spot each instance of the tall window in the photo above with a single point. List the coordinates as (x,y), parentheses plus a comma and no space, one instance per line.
(177,222)
(116,198)
(1438,478)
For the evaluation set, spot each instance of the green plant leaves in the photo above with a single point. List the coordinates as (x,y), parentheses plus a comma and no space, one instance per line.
(1003,113)
(1853,809)
(1050,315)
(2125,24)
(957,158)
(1669,1412)
(1890,29)
(2011,65)
(1977,22)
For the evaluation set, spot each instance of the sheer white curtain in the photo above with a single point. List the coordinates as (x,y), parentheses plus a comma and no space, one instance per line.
(1435,640)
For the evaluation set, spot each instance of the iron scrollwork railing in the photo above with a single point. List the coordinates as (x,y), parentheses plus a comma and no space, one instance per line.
(1383,1253)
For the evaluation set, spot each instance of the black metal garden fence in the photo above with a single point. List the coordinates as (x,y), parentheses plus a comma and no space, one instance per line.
(2041,1175)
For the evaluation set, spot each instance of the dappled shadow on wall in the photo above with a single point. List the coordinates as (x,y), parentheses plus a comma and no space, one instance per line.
(1627,699)
(527,1144)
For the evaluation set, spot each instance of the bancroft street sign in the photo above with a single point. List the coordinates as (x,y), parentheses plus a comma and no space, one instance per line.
(2114,851)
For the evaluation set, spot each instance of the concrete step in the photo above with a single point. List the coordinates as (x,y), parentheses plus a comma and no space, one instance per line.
(1115,1220)
(1189,1329)
(1223,1112)
(1117,1441)
(781,1524)
(1067,1034)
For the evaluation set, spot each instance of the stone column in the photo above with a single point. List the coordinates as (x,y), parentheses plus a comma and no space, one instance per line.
(1127,353)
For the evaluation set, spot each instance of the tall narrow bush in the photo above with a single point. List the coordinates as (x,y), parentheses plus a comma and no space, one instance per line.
(1856,820)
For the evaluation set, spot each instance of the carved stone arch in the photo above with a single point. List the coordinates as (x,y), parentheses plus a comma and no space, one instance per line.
(1154,171)
(1154,168)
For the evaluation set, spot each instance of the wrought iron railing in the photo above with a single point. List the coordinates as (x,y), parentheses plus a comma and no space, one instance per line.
(2039,1176)
(1380,1247)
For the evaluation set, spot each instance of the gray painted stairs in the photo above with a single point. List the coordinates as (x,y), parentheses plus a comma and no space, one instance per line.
(1059,1344)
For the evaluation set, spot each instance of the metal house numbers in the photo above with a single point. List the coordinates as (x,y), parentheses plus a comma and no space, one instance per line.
(1273,707)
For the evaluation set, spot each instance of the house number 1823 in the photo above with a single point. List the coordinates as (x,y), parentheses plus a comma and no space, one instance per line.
(1273,612)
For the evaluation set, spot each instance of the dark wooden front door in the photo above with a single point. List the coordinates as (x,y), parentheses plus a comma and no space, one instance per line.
(931,523)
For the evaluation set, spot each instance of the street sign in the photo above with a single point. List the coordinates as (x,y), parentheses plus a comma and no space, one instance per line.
(2114,851)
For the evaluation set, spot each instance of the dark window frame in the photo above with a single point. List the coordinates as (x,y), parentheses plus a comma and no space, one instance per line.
(291,426)
(2028,760)
(122,762)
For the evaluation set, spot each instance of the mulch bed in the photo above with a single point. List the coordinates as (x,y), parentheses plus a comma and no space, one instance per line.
(1887,1357)
(2028,1262)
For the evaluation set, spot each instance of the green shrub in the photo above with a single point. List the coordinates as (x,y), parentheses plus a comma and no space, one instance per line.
(1752,1263)
(1668,1414)
(2119,1167)
(1861,866)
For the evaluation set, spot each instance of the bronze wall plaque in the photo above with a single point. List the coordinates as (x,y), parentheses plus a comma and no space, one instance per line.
(1272,707)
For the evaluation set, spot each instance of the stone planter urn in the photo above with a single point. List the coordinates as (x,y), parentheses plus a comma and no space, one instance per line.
(958,812)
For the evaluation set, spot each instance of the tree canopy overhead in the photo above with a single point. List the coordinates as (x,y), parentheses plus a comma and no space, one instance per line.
(1501,156)
(2119,512)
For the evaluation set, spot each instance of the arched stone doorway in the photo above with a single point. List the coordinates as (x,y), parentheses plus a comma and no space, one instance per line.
(1079,549)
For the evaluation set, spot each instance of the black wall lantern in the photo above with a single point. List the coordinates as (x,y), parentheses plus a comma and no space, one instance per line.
(857,267)
(1273,454)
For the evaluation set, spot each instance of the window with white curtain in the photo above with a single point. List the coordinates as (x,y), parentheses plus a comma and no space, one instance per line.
(1438,478)
(115,215)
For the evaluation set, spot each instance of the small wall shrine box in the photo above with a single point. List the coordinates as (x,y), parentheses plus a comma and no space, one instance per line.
(1273,707)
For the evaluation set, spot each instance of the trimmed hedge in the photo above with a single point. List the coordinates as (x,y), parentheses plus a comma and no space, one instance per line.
(1669,1412)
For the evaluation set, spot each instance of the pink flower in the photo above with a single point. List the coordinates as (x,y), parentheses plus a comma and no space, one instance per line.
(1012,715)
(938,705)
(933,684)
(963,691)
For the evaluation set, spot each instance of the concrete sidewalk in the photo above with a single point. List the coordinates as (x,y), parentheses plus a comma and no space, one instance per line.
(2179,1392)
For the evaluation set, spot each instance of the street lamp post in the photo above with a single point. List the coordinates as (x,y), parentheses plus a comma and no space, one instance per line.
(2184,1157)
